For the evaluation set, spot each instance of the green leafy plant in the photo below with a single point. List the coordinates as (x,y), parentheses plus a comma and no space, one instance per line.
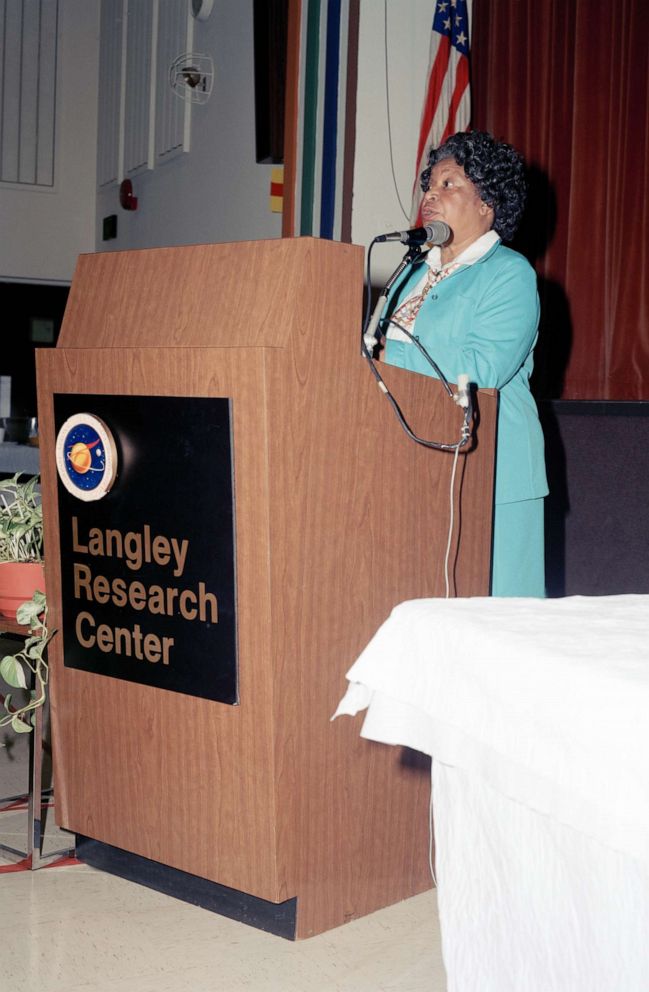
(14,668)
(21,520)
(21,540)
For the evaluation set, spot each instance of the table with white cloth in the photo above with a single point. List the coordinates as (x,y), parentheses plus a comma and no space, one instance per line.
(536,715)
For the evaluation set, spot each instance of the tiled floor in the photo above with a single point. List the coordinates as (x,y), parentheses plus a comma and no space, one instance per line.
(76,929)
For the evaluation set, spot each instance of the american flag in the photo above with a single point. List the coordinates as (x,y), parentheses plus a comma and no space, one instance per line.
(447,106)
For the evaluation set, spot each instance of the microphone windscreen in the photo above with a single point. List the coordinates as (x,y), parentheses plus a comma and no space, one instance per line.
(438,232)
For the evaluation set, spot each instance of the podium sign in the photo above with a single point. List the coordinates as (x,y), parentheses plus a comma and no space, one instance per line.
(146,523)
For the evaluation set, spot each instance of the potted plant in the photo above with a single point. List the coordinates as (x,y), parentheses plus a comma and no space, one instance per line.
(22,596)
(32,658)
(21,542)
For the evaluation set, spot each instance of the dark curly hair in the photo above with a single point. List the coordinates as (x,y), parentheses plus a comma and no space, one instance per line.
(495,169)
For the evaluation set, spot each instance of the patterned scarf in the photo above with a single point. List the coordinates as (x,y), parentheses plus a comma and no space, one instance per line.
(406,312)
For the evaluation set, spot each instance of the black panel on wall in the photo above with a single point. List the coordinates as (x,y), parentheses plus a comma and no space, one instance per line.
(271,32)
(32,314)
(597,514)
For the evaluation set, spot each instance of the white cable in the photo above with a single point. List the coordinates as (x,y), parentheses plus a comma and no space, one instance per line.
(387,106)
(451,521)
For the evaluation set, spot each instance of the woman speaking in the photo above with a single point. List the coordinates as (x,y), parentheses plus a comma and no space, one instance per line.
(473,305)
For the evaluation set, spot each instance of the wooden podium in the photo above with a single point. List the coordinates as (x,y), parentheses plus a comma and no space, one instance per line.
(338,518)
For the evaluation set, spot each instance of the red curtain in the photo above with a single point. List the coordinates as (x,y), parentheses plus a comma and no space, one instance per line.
(567,83)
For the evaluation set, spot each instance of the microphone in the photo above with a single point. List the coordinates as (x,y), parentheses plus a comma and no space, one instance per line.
(436,233)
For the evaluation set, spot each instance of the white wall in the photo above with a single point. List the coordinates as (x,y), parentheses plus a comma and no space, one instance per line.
(217,192)
(376,206)
(43,230)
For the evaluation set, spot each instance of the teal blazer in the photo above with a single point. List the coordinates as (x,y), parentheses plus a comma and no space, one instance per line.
(482,320)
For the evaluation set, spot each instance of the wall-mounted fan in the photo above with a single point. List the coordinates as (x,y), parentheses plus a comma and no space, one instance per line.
(191,76)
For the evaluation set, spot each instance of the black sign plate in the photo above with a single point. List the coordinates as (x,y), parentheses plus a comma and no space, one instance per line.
(148,570)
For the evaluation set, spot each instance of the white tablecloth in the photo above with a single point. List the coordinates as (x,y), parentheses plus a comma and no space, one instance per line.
(542,705)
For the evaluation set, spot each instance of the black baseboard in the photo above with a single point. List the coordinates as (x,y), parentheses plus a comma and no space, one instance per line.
(275,918)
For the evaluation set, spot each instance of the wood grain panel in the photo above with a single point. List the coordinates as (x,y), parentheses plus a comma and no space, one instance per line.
(338,518)
(359,520)
(243,294)
(157,783)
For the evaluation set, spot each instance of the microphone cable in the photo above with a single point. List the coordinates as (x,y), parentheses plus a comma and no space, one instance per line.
(462,397)
(376,321)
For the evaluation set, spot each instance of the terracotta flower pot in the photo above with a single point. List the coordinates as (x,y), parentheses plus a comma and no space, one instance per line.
(18,581)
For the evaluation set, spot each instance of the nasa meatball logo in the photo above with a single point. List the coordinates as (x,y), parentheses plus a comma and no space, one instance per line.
(86,457)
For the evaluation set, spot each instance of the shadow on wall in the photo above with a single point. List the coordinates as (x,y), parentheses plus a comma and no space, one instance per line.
(533,240)
(550,362)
